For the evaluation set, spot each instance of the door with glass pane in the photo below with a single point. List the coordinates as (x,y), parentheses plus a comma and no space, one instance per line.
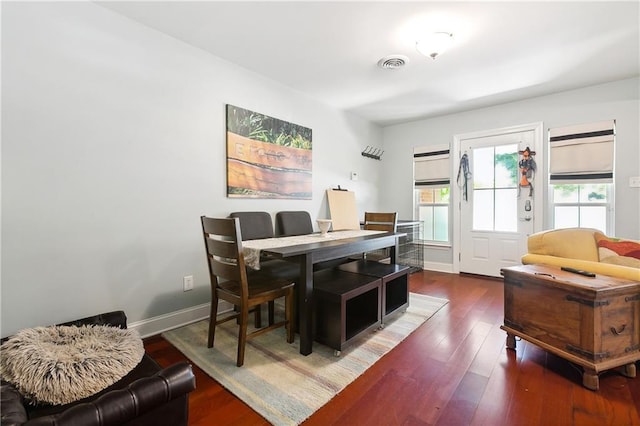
(497,215)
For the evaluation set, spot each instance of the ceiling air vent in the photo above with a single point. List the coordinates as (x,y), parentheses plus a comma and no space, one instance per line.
(393,62)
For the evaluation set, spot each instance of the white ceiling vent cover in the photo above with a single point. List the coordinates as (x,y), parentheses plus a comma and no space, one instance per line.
(393,62)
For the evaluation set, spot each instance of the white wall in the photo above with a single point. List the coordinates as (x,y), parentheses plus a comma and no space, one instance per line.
(113,145)
(616,100)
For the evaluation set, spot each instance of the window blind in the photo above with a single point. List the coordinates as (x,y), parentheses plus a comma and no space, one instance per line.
(582,153)
(431,166)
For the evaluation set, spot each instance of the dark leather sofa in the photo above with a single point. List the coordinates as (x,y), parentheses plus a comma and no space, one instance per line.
(148,395)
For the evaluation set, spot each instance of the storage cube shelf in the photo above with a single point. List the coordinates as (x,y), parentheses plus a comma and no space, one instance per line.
(346,305)
(395,295)
(394,279)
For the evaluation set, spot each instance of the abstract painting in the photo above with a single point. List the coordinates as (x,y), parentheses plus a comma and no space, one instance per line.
(267,157)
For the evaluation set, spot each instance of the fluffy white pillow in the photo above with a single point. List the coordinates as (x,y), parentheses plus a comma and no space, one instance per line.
(62,364)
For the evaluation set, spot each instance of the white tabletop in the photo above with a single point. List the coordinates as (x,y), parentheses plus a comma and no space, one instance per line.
(251,248)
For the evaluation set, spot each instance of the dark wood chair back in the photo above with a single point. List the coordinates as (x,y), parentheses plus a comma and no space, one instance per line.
(231,282)
(375,221)
(381,221)
(223,242)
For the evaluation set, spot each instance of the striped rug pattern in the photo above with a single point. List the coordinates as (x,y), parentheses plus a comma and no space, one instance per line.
(279,383)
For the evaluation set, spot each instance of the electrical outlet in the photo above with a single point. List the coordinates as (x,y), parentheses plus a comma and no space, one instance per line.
(187,283)
(634,182)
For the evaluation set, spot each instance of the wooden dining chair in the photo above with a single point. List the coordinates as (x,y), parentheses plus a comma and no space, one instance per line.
(374,221)
(231,282)
(257,225)
(381,221)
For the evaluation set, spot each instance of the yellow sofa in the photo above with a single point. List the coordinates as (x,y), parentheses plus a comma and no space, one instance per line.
(583,248)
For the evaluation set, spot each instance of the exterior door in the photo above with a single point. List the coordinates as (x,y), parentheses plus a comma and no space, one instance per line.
(497,214)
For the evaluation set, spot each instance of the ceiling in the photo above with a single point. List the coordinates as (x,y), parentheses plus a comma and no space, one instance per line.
(501,51)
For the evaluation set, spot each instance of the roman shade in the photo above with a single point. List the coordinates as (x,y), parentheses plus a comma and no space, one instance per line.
(431,166)
(582,153)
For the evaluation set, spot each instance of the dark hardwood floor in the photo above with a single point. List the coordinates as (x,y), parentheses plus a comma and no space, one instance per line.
(453,370)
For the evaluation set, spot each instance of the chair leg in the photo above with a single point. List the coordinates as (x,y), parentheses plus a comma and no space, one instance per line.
(288,313)
(258,316)
(271,312)
(212,318)
(242,334)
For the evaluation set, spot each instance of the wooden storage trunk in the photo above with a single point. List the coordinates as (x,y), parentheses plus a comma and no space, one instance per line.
(593,322)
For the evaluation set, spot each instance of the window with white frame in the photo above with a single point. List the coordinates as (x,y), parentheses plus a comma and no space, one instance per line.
(581,166)
(432,192)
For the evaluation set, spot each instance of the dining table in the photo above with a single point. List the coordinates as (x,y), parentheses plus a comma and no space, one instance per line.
(311,249)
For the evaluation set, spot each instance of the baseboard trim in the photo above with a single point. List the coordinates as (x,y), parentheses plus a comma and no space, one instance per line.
(439,267)
(156,325)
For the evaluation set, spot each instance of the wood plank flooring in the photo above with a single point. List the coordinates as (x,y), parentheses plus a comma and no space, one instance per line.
(453,370)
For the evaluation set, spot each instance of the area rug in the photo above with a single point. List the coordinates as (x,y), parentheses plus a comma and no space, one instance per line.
(279,383)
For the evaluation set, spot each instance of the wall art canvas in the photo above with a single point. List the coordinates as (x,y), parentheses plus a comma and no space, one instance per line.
(267,157)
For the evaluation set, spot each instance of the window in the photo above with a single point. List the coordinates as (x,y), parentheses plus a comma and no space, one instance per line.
(431,170)
(582,206)
(581,166)
(495,188)
(432,210)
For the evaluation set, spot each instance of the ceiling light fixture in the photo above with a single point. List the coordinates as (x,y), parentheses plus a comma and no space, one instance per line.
(434,44)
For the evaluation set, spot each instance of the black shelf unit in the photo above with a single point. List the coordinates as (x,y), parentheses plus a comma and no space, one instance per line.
(346,306)
(395,283)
